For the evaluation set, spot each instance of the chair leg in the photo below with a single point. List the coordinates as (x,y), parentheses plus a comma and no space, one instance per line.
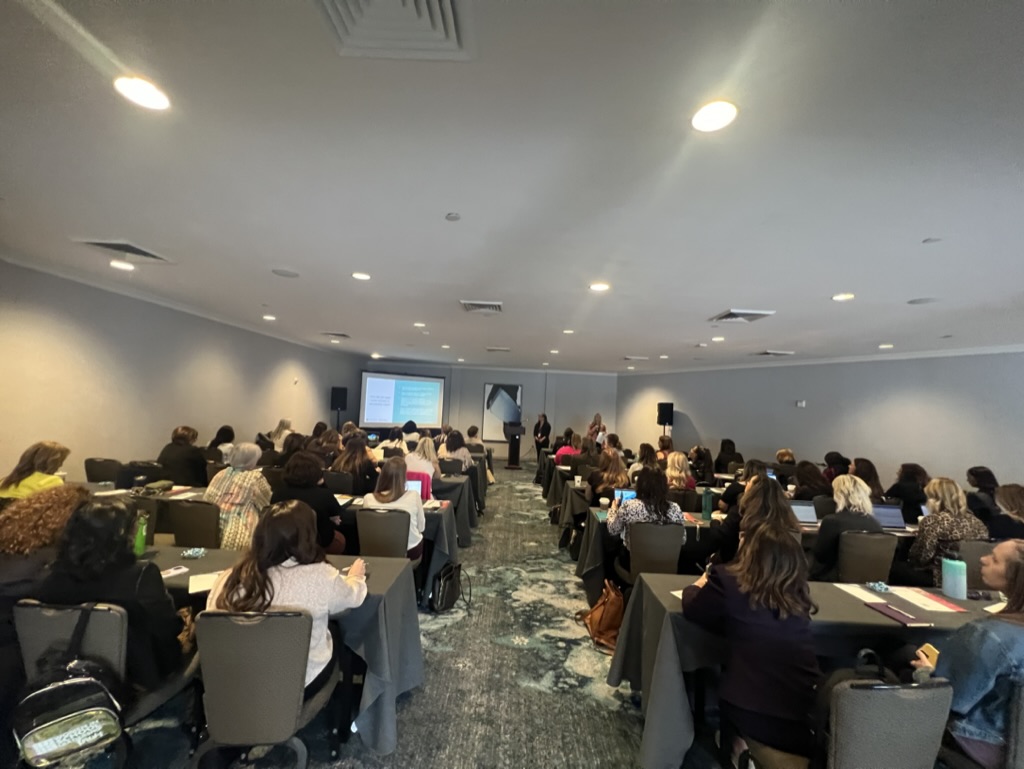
(197,757)
(301,754)
(196,720)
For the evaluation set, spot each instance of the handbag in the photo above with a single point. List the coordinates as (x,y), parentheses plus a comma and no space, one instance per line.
(447,589)
(605,618)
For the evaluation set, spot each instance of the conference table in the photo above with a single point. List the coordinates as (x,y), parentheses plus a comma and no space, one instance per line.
(458,490)
(384,631)
(545,469)
(657,645)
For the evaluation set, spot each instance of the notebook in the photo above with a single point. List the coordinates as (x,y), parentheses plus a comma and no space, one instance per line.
(805,512)
(890,516)
(621,495)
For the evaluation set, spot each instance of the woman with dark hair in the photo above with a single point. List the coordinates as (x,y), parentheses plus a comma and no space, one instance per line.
(541,433)
(303,480)
(570,449)
(223,441)
(1008,523)
(983,501)
(702,465)
(395,442)
(982,661)
(613,444)
(761,605)
(285,568)
(762,502)
(391,494)
(650,505)
(911,479)
(609,475)
(293,444)
(328,446)
(95,563)
(456,446)
(727,455)
(646,457)
(835,465)
(318,429)
(183,462)
(355,461)
(664,447)
(36,470)
(752,468)
(410,432)
(810,482)
(563,440)
(865,470)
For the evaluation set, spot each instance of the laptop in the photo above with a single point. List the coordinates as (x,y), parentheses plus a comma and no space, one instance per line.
(890,516)
(925,510)
(771,474)
(804,512)
(621,495)
(416,486)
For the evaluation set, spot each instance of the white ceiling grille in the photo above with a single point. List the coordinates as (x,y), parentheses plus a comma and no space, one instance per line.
(499,349)
(126,251)
(636,357)
(740,316)
(483,308)
(401,29)
(336,335)
(774,353)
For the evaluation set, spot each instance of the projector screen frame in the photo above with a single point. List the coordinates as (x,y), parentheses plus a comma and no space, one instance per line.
(364,374)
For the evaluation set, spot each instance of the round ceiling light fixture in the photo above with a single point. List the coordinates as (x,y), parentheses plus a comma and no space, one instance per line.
(845,297)
(886,346)
(361,275)
(121,264)
(461,360)
(376,355)
(269,317)
(140,91)
(714,116)
(599,287)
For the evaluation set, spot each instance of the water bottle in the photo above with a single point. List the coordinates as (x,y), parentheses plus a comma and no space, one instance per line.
(706,504)
(140,534)
(954,579)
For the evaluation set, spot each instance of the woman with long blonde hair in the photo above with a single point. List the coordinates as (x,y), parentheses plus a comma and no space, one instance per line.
(853,513)
(1008,523)
(678,472)
(948,521)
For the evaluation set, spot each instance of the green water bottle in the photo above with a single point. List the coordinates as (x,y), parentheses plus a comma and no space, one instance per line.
(706,504)
(140,534)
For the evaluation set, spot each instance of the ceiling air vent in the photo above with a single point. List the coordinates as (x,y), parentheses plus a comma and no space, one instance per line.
(740,316)
(499,349)
(774,353)
(401,29)
(127,251)
(636,357)
(482,308)
(336,335)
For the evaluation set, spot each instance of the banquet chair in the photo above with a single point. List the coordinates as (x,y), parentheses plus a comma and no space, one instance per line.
(450,466)
(102,470)
(971,551)
(338,482)
(274,476)
(194,523)
(865,556)
(256,697)
(823,505)
(653,548)
(212,468)
(953,759)
(388,453)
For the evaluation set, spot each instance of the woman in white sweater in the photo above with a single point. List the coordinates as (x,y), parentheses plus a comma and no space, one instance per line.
(390,494)
(286,568)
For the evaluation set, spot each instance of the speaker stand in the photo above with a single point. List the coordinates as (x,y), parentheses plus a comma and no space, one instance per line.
(337,420)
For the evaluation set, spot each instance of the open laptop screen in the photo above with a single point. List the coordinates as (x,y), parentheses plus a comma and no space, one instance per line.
(804,512)
(890,516)
(416,486)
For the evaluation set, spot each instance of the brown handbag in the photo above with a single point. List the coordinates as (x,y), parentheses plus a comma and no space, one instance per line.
(605,618)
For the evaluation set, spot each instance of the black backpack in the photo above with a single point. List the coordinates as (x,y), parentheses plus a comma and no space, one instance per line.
(447,589)
(73,708)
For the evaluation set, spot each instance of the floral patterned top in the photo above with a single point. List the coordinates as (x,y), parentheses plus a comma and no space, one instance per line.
(241,496)
(937,538)
(635,511)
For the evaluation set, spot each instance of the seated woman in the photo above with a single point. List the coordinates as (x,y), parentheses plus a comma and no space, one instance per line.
(835,465)
(357,462)
(279,433)
(570,449)
(303,478)
(761,605)
(241,492)
(95,563)
(853,513)
(390,494)
(762,501)
(810,482)
(394,441)
(664,447)
(293,444)
(983,660)
(424,460)
(785,466)
(456,446)
(36,470)
(948,521)
(285,568)
(678,473)
(1008,523)
(865,470)
(589,456)
(609,475)
(911,479)
(613,444)
(223,442)
(646,457)
(328,446)
(563,440)
(183,462)
(702,465)
(410,432)
(727,455)
(650,505)
(473,436)
(983,501)
(752,468)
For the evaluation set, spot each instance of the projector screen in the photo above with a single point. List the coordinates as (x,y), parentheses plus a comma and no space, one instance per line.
(390,400)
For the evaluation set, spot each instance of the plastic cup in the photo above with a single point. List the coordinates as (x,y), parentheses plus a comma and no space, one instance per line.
(579,480)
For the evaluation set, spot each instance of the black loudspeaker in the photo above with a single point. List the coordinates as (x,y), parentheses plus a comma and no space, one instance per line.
(665,413)
(339,398)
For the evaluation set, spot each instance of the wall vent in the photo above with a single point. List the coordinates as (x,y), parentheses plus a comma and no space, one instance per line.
(774,353)
(483,308)
(499,349)
(636,357)
(740,316)
(127,251)
(401,29)
(336,335)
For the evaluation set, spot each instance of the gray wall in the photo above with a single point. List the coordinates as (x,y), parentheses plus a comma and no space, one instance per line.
(112,376)
(946,413)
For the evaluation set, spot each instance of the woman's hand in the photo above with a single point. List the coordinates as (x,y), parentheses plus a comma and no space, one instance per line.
(702,581)
(921,662)
(357,569)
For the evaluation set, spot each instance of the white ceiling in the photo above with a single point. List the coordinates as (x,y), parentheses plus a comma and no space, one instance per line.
(565,145)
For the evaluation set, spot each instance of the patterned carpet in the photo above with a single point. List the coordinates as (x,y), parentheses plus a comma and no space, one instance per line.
(513,683)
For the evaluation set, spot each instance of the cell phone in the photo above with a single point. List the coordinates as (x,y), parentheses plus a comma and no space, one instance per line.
(930,653)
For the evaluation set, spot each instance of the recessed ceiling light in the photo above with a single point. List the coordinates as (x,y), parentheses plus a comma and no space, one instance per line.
(554,352)
(718,339)
(923,300)
(663,357)
(453,216)
(461,360)
(425,333)
(420,325)
(545,363)
(376,355)
(702,344)
(269,317)
(568,331)
(599,286)
(142,92)
(121,264)
(843,297)
(885,346)
(630,368)
(360,276)
(282,273)
(714,116)
(446,347)
(335,341)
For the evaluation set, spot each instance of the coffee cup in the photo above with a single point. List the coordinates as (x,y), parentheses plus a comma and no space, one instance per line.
(579,480)
(604,502)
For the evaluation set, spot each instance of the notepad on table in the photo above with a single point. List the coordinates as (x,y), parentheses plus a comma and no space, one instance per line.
(203,583)
(678,594)
(110,493)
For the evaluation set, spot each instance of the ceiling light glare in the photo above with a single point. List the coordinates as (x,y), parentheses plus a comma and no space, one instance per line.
(461,360)
(843,297)
(568,331)
(545,363)
(269,317)
(630,368)
(446,347)
(360,276)
(663,357)
(335,341)
(121,264)
(376,355)
(140,91)
(599,287)
(718,339)
(554,352)
(885,346)
(420,325)
(714,116)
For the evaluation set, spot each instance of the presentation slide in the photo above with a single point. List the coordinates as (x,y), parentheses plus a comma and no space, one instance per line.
(393,399)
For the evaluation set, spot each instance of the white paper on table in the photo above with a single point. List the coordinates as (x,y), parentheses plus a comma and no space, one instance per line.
(862,593)
(188,495)
(920,598)
(678,594)
(179,488)
(432,504)
(996,607)
(110,493)
(203,583)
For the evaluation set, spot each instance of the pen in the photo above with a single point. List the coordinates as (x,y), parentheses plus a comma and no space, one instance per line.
(900,611)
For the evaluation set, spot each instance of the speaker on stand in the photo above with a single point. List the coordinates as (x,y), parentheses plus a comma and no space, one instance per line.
(339,403)
(665,411)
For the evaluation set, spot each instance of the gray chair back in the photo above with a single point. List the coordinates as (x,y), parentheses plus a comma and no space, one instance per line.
(411,445)
(253,697)
(477,448)
(388,453)
(692,502)
(733,467)
(876,724)
(865,557)
(338,482)
(274,476)
(383,533)
(450,466)
(194,523)
(823,505)
(40,625)
(971,551)
(102,470)
(212,468)
(654,548)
